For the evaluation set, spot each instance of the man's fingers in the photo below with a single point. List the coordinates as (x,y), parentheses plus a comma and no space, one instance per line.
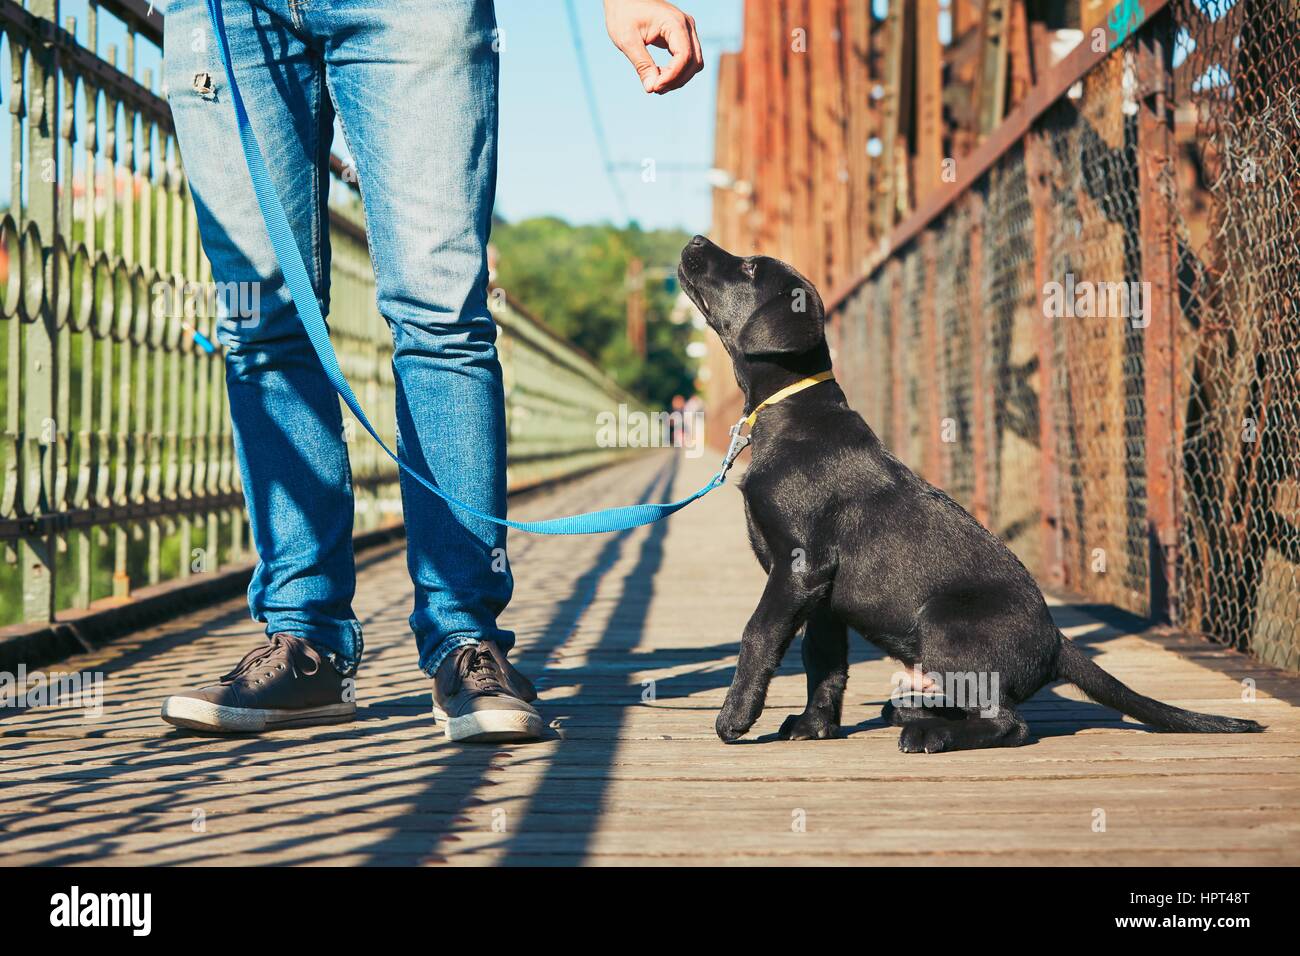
(637,25)
(634,49)
(675,35)
(695,43)
(678,36)
(695,64)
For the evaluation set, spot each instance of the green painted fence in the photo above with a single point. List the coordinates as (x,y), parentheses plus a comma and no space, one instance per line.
(116,454)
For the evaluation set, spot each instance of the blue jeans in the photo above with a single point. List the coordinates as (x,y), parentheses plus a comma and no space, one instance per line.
(414,84)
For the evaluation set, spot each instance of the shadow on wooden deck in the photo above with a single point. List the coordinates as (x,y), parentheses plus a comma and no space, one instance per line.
(632,638)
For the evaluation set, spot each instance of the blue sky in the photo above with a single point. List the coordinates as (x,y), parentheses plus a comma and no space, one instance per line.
(550,161)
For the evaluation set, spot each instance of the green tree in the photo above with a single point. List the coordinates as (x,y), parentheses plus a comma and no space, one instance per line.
(574,278)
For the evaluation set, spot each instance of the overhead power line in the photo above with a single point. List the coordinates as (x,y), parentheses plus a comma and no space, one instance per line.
(597,127)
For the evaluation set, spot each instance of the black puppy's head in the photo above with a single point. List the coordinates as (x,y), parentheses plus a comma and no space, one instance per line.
(758,306)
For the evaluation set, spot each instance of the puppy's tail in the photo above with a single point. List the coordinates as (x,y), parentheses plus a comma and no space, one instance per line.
(1074,666)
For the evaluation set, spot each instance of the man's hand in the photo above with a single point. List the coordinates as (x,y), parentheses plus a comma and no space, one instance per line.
(634,25)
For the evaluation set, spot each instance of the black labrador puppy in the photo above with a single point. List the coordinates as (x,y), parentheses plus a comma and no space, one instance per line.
(852,538)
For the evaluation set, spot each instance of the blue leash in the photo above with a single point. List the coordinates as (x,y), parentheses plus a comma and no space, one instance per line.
(304,298)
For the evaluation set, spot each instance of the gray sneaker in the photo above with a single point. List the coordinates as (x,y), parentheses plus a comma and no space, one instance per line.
(284,683)
(481,698)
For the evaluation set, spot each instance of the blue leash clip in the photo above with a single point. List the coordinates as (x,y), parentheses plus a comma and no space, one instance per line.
(738,444)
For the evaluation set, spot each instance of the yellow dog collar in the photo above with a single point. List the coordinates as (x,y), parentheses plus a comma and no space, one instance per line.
(739,441)
(786,392)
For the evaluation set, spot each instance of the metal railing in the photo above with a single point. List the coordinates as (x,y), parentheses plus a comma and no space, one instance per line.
(116,453)
(1142,449)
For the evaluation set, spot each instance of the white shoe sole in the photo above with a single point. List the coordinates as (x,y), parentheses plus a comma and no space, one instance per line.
(194,714)
(490,726)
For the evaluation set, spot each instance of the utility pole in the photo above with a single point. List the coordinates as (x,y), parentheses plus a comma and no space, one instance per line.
(635,286)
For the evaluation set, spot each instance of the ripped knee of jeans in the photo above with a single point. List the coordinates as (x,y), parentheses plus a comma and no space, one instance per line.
(204,86)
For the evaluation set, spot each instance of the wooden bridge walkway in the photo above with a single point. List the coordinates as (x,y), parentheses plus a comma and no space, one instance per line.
(633,638)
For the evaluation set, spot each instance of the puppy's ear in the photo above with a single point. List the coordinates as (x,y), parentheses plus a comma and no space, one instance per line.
(789,323)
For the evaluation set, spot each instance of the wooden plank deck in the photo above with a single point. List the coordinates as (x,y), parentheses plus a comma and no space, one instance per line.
(632,638)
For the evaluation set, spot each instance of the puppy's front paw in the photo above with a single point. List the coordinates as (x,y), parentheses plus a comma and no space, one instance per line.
(808,726)
(929,737)
(728,727)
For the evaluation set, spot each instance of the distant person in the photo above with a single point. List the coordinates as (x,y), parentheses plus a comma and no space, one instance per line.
(675,434)
(692,419)
(415,89)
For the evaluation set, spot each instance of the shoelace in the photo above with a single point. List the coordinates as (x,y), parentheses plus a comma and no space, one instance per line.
(479,672)
(293,651)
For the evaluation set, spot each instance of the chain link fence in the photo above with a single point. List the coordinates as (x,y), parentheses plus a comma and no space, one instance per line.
(1114,387)
(956,382)
(1093,244)
(1237,85)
